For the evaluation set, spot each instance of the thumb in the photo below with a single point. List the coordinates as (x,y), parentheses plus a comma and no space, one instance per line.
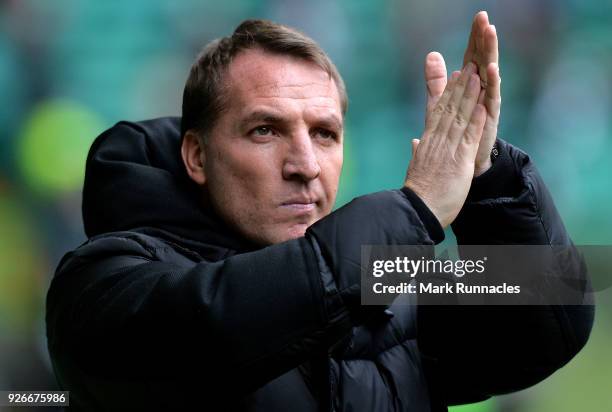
(435,78)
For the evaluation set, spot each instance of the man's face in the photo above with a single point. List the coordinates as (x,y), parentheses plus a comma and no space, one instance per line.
(273,160)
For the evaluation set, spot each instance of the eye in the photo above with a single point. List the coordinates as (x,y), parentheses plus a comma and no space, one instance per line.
(262,134)
(262,131)
(325,134)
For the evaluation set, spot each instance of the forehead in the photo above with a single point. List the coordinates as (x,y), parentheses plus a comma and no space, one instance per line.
(257,77)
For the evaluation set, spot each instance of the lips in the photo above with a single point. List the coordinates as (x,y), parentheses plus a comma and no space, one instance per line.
(300,204)
(301,207)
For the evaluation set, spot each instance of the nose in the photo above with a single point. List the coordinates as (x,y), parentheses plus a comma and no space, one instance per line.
(301,162)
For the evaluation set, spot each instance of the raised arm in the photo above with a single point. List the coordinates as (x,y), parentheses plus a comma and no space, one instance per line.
(472,353)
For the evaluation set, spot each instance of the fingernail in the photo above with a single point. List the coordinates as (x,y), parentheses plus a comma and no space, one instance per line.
(433,56)
(493,28)
(469,67)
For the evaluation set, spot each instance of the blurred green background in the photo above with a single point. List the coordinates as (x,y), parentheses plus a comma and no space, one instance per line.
(70,69)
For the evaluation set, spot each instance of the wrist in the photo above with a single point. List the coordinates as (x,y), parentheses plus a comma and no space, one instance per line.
(427,216)
(501,180)
(429,205)
(482,167)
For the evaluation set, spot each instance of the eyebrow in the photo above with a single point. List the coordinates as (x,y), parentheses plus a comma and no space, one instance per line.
(262,116)
(328,121)
(331,121)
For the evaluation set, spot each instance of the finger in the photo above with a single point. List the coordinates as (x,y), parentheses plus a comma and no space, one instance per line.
(492,102)
(473,132)
(452,107)
(435,77)
(490,45)
(481,96)
(482,24)
(435,114)
(470,50)
(481,19)
(468,146)
(492,97)
(464,113)
(489,53)
(415,144)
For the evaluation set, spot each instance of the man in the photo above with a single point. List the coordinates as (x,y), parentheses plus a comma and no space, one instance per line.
(215,276)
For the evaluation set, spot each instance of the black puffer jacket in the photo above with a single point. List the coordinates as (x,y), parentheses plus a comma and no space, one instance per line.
(164,308)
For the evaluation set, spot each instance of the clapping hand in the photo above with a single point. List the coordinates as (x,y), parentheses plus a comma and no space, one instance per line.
(460,125)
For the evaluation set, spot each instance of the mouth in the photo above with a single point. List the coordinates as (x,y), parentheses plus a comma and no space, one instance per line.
(300,207)
(301,204)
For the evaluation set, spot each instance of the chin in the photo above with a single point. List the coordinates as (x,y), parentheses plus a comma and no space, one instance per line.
(292,232)
(279,235)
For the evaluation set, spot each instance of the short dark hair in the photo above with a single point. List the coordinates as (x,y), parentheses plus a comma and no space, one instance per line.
(205,94)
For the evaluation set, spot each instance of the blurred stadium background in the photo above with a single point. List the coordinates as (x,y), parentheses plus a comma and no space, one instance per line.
(70,69)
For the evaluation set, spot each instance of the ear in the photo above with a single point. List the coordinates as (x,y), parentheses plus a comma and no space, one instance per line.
(193,157)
